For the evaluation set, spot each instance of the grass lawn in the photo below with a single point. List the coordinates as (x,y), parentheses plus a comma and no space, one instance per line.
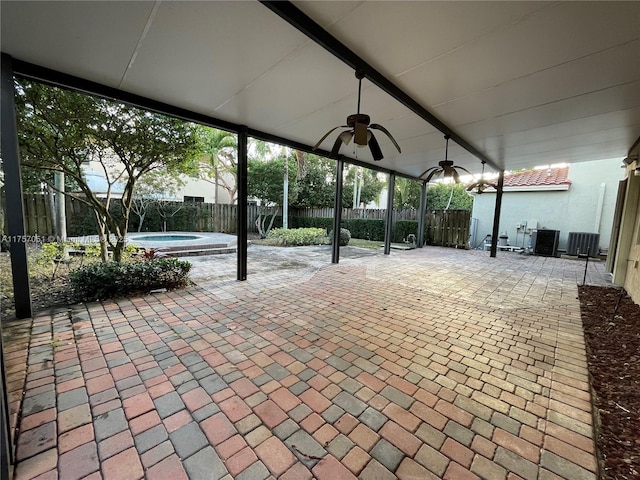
(359,242)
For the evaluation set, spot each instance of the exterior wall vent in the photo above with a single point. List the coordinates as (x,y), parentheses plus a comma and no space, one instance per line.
(584,243)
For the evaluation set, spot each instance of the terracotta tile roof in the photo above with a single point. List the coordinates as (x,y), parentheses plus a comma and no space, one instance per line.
(538,178)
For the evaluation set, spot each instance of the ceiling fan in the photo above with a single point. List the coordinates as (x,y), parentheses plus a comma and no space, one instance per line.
(359,130)
(482,184)
(445,167)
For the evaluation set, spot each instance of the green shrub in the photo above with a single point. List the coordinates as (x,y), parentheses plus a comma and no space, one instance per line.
(298,236)
(402,229)
(345,237)
(326,223)
(365,228)
(103,280)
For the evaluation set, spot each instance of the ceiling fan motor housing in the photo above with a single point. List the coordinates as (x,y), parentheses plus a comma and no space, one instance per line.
(358,118)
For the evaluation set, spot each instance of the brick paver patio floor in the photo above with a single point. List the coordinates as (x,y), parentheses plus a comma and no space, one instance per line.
(431,363)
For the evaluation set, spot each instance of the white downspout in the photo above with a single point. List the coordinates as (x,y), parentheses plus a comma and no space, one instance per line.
(596,224)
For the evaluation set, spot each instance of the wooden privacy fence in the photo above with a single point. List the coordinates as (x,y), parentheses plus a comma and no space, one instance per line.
(38,213)
(449,228)
(348,213)
(199,217)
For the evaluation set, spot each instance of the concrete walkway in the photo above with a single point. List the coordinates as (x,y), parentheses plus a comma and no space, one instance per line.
(424,364)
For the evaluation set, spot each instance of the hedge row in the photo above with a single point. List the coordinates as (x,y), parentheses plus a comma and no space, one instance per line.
(186,219)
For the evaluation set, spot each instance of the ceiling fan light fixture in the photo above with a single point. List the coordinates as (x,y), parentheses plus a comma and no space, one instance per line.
(359,130)
(481,185)
(346,137)
(445,167)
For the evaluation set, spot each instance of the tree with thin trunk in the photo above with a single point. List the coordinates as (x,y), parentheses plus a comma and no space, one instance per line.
(154,188)
(266,184)
(218,163)
(368,184)
(316,188)
(62,130)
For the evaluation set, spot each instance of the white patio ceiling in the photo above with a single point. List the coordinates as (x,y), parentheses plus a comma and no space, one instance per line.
(525,83)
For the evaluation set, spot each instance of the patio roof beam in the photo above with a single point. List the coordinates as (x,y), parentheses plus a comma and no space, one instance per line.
(267,137)
(64,80)
(298,19)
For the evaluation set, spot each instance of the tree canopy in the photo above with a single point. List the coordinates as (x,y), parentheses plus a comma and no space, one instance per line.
(218,163)
(60,130)
(316,187)
(407,195)
(366,181)
(266,180)
(440,197)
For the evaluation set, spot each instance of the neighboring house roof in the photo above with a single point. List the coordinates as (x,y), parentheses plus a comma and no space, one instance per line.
(543,179)
(548,177)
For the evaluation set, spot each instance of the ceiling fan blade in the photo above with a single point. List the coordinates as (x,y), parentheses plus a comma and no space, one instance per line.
(387,133)
(436,171)
(465,170)
(346,136)
(360,130)
(455,175)
(315,147)
(427,171)
(374,146)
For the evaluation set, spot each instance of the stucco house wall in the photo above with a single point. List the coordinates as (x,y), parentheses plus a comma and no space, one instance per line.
(195,187)
(586,206)
(626,264)
(191,187)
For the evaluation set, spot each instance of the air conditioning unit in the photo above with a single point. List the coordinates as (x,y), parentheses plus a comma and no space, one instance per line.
(545,242)
(583,243)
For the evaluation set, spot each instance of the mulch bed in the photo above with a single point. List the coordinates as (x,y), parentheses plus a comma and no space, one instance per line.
(612,332)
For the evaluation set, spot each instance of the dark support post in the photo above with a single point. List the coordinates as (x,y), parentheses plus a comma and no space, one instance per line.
(13,190)
(17,241)
(242,204)
(389,225)
(337,213)
(422,213)
(496,215)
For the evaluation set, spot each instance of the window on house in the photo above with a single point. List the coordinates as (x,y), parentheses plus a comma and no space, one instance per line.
(188,199)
